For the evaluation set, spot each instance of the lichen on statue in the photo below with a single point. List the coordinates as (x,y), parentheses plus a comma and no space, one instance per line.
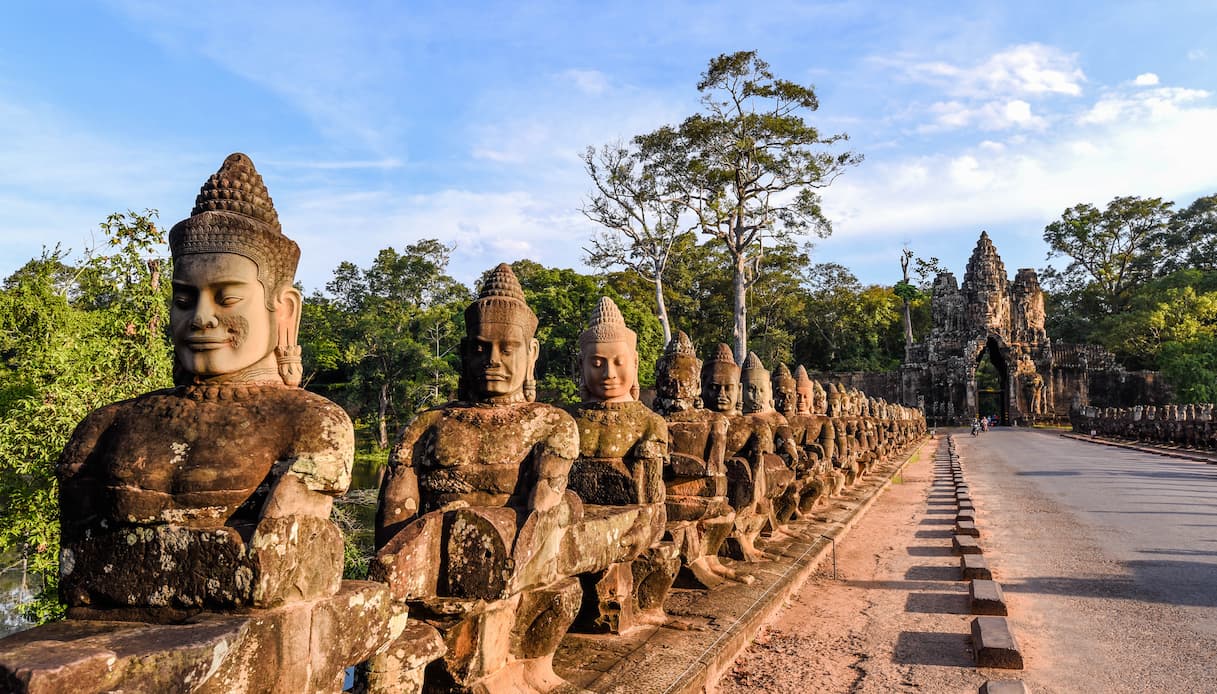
(749,441)
(214,494)
(474,509)
(782,488)
(699,515)
(493,446)
(792,398)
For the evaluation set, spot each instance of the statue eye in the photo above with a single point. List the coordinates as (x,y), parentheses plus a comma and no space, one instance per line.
(181,301)
(229,300)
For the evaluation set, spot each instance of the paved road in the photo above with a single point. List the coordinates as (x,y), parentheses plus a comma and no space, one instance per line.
(1108,558)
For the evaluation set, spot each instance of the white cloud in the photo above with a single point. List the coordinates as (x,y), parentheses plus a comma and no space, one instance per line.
(993,115)
(1197,54)
(591,82)
(1149,142)
(1028,69)
(1146,79)
(1146,103)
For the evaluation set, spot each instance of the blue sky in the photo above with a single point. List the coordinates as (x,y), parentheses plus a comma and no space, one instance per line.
(380,123)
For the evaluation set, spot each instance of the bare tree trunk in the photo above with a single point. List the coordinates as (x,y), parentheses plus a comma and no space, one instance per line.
(154,280)
(382,417)
(740,289)
(662,310)
(908,330)
(905,256)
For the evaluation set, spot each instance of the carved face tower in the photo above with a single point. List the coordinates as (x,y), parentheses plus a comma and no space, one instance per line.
(720,381)
(499,350)
(677,385)
(758,389)
(608,356)
(235,314)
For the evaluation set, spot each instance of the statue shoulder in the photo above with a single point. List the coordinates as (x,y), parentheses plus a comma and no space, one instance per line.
(88,434)
(557,428)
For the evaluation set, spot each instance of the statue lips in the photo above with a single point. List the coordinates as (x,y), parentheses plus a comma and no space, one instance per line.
(207,344)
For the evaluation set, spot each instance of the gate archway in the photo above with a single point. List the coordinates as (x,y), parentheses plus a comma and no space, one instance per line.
(991,381)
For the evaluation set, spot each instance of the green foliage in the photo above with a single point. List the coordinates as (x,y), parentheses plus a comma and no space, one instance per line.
(1191,367)
(383,339)
(747,168)
(851,325)
(1141,281)
(563,300)
(73,337)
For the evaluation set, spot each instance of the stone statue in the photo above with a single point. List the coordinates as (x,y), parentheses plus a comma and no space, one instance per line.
(623,449)
(782,491)
(793,397)
(198,553)
(474,508)
(699,515)
(749,440)
(225,481)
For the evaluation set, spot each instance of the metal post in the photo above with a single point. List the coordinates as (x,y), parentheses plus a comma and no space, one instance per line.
(833,540)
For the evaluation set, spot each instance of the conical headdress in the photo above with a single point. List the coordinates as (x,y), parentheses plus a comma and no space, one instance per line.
(753,369)
(607,325)
(782,377)
(722,357)
(233,213)
(680,344)
(801,379)
(501,301)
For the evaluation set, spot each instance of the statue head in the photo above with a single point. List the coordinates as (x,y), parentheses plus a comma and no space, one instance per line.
(833,400)
(720,381)
(805,391)
(235,315)
(499,350)
(608,356)
(785,391)
(757,386)
(677,385)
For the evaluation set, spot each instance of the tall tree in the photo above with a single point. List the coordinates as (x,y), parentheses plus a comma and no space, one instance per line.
(642,213)
(74,336)
(1192,236)
(909,292)
(749,167)
(387,334)
(1112,251)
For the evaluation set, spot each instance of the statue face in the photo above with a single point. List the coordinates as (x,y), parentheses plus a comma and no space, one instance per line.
(785,397)
(804,399)
(720,389)
(498,359)
(219,319)
(758,395)
(609,371)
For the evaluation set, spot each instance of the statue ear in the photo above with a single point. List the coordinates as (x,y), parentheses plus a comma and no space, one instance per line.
(288,304)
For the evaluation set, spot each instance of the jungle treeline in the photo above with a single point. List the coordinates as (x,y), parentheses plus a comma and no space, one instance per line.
(381,338)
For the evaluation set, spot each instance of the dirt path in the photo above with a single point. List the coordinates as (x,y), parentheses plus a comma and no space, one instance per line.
(894,620)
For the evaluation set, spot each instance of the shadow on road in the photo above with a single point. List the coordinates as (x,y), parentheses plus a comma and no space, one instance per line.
(937,603)
(932,648)
(932,573)
(1182,583)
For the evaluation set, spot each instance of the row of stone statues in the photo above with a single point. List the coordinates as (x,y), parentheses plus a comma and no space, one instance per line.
(1189,425)
(195,520)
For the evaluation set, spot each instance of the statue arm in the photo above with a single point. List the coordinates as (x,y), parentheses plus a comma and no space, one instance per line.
(399,496)
(552,460)
(785,446)
(321,459)
(78,480)
(651,452)
(716,446)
